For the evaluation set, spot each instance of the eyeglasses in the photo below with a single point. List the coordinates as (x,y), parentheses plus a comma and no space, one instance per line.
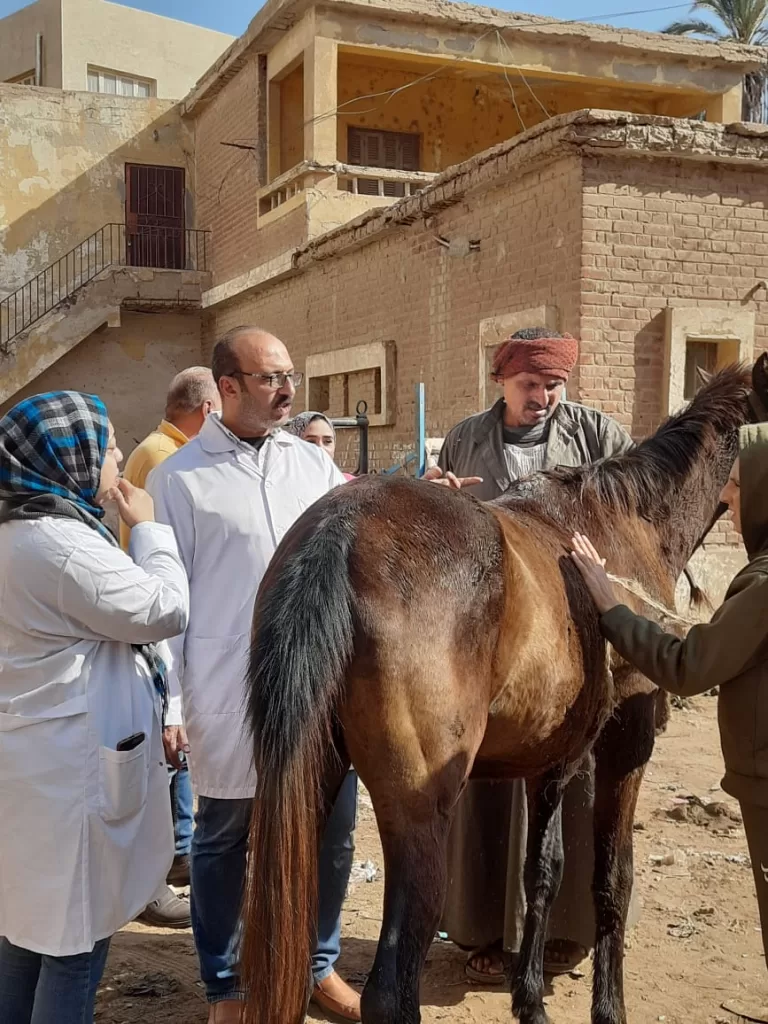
(274,380)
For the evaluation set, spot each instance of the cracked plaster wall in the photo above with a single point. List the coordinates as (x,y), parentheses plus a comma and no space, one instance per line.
(62,168)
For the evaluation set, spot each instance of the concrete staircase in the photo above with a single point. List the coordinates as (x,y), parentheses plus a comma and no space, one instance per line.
(87,288)
(91,306)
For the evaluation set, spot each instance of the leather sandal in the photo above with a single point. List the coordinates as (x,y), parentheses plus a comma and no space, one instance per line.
(335,996)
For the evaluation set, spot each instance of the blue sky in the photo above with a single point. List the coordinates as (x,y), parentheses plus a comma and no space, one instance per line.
(233,15)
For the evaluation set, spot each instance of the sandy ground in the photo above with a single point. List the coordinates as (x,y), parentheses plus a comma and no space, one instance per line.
(696,947)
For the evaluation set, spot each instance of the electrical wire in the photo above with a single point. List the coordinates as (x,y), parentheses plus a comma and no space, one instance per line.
(542,22)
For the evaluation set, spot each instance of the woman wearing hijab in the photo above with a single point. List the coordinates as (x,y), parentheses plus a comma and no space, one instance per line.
(86,837)
(317,429)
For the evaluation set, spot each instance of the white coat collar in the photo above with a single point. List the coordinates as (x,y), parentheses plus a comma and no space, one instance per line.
(215,438)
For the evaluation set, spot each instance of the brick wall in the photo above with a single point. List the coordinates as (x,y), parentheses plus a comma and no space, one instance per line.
(227,178)
(407,287)
(655,232)
(658,232)
(669,212)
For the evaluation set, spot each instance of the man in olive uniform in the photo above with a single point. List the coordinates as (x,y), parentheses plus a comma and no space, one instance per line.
(531,428)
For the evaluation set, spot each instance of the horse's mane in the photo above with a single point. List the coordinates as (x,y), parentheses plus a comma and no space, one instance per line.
(643,480)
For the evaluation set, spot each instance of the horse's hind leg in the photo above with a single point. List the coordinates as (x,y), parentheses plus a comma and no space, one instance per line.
(414,764)
(414,893)
(621,753)
(543,874)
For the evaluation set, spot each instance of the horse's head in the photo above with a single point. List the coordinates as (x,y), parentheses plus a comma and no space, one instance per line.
(758,397)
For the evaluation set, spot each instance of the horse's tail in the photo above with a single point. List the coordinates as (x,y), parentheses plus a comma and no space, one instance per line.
(301,646)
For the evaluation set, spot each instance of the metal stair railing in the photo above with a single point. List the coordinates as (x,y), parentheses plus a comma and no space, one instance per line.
(156,248)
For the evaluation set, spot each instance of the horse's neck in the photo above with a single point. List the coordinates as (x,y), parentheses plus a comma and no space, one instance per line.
(692,515)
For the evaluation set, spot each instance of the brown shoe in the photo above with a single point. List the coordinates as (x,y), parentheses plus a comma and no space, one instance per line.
(179,873)
(335,996)
(226,1011)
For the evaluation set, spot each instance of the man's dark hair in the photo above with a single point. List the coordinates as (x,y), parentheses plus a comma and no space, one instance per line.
(224,362)
(532,333)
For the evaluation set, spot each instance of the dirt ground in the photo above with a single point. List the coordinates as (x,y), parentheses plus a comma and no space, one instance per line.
(697,945)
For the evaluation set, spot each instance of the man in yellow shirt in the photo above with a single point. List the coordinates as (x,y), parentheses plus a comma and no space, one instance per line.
(191,397)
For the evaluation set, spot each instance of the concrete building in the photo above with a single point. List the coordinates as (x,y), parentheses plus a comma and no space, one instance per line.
(105,47)
(392,187)
(101,268)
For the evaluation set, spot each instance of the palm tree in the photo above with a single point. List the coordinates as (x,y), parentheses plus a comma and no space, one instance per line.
(742,21)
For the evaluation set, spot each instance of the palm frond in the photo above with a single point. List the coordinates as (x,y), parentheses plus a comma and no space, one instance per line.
(743,19)
(697,27)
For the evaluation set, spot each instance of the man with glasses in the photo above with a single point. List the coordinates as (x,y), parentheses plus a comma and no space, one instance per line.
(230,495)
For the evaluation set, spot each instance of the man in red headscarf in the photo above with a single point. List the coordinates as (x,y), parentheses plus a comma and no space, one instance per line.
(531,428)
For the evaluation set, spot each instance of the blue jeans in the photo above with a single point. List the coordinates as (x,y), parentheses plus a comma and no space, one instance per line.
(182,809)
(219,848)
(37,989)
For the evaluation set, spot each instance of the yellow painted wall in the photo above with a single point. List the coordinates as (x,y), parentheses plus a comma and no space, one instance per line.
(62,168)
(18,33)
(77,33)
(292,119)
(457,115)
(129,366)
(135,42)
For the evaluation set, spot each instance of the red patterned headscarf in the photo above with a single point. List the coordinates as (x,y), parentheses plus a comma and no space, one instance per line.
(552,357)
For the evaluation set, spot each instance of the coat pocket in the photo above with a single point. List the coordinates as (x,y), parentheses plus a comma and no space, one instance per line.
(123,778)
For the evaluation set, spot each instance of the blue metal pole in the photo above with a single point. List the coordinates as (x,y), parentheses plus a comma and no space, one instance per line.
(421,431)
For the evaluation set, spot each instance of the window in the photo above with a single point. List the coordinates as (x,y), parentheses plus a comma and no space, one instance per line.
(398,151)
(701,337)
(699,355)
(114,83)
(337,380)
(28,78)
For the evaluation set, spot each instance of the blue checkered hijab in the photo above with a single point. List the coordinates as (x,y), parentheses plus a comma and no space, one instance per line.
(52,448)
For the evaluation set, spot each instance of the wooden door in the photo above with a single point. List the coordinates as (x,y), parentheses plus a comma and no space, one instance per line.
(154,216)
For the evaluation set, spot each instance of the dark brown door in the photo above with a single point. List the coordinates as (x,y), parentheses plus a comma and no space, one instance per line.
(154,216)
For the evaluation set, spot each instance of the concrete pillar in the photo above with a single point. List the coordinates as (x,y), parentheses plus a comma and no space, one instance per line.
(726,108)
(321,76)
(273,131)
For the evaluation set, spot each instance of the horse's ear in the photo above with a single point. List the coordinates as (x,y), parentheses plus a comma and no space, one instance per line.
(704,375)
(760,378)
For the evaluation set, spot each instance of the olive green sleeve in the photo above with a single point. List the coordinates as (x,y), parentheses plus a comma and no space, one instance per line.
(444,459)
(712,653)
(614,440)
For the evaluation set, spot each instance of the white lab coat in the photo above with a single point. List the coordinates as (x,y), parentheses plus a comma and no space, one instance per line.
(85,830)
(229,506)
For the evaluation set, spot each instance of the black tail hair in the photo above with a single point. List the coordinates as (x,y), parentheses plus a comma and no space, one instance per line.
(301,646)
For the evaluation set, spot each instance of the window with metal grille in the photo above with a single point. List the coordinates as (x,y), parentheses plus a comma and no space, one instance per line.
(115,83)
(397,151)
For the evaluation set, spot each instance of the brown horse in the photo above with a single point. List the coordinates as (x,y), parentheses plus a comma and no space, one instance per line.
(424,636)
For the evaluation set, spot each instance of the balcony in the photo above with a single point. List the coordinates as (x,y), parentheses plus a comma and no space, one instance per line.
(346,189)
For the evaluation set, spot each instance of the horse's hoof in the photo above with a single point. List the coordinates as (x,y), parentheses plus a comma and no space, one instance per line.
(537,1015)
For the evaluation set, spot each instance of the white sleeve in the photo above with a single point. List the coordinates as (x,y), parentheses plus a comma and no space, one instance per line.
(336,477)
(104,594)
(174,508)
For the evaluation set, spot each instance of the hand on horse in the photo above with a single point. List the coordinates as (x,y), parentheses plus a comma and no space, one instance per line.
(592,568)
(175,744)
(435,476)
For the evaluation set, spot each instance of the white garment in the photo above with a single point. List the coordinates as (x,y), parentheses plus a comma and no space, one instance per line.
(230,506)
(86,834)
(524,461)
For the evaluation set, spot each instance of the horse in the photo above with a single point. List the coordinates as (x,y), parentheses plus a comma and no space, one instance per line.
(424,637)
